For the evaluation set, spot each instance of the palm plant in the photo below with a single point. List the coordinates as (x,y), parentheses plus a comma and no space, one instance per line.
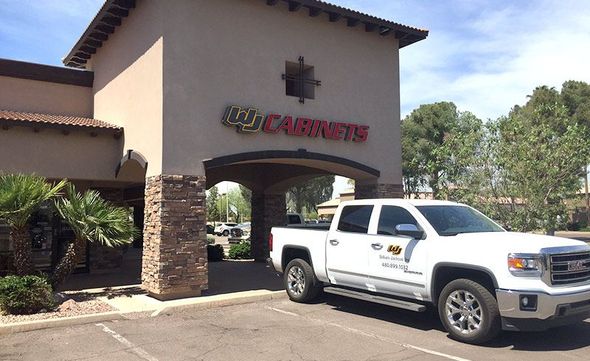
(20,196)
(92,219)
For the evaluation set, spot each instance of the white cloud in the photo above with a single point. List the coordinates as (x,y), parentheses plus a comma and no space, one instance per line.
(487,55)
(507,53)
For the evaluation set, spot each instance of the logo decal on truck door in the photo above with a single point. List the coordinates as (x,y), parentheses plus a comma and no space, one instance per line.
(394,249)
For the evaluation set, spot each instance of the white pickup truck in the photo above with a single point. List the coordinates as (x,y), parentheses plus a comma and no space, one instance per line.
(411,254)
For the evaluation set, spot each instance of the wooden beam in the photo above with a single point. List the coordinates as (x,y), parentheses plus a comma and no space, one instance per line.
(88,49)
(111,20)
(314,12)
(76,59)
(127,4)
(370,27)
(352,22)
(334,17)
(294,5)
(83,55)
(98,36)
(93,43)
(107,29)
(117,11)
(384,30)
(272,2)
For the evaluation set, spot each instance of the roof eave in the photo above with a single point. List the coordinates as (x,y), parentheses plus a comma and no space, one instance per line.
(104,23)
(112,12)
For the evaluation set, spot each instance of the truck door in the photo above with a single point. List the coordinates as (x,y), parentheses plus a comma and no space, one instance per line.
(347,247)
(397,264)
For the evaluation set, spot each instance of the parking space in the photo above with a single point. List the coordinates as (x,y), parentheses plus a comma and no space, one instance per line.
(331,329)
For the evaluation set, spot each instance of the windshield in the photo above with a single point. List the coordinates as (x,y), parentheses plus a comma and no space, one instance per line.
(451,220)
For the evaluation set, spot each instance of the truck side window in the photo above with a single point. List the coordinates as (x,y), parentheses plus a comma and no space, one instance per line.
(390,217)
(355,219)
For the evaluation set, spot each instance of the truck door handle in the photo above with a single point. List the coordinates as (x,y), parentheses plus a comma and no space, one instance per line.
(377,246)
(334,242)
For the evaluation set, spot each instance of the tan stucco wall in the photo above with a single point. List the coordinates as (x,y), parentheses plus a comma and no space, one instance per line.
(44,97)
(219,53)
(51,154)
(128,81)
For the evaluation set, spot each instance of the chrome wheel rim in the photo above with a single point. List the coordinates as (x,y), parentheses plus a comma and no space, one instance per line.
(296,281)
(464,312)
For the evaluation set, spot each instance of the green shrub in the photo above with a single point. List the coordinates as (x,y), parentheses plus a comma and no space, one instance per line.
(24,295)
(215,253)
(240,250)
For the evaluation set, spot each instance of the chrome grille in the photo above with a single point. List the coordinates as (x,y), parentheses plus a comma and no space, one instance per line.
(568,268)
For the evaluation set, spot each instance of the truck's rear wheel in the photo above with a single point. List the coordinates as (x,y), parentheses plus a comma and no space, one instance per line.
(300,281)
(469,311)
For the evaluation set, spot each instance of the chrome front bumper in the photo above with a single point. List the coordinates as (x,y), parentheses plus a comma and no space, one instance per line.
(551,310)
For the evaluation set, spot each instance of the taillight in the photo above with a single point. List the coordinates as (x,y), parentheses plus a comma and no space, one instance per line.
(270,242)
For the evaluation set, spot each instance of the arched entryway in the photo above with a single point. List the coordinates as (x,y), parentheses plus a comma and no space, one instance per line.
(269,174)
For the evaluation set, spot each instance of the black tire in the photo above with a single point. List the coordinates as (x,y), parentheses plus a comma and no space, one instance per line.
(305,287)
(483,306)
(225,233)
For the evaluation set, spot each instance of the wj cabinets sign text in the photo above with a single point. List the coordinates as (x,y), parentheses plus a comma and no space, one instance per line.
(249,120)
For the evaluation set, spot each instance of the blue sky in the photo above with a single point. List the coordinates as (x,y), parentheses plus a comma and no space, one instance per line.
(484,55)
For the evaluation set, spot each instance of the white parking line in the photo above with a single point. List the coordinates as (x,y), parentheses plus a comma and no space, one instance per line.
(371,335)
(135,349)
(282,311)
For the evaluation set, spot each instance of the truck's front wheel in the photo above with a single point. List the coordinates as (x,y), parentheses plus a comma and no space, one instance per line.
(300,281)
(469,311)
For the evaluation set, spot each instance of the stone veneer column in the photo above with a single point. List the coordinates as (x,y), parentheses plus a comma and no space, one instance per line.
(378,190)
(268,210)
(175,239)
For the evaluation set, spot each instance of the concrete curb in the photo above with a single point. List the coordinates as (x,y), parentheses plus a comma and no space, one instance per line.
(59,322)
(183,305)
(222,301)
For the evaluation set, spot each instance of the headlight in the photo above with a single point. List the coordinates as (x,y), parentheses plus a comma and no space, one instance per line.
(525,265)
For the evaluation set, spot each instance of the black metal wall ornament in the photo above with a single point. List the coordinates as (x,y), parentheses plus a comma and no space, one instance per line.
(300,80)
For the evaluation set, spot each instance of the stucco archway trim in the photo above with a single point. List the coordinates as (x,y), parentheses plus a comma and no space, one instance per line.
(132,155)
(286,154)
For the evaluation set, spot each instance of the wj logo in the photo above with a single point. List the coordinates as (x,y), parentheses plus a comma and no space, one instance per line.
(246,120)
(394,250)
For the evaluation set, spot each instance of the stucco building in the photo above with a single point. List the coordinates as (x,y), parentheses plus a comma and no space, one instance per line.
(169,98)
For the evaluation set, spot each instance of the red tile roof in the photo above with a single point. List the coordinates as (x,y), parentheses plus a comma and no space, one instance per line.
(32,119)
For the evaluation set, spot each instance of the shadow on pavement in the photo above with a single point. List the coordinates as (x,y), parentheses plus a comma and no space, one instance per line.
(558,339)
(419,320)
(224,277)
(237,276)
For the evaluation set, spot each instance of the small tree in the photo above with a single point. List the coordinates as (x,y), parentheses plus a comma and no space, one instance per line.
(20,196)
(212,208)
(92,219)
(311,193)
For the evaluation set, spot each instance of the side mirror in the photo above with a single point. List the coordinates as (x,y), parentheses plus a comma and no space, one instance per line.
(409,230)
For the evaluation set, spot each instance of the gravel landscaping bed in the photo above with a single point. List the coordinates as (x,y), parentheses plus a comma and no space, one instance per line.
(69,305)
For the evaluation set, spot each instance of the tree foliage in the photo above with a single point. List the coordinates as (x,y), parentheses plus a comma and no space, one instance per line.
(522,167)
(213,205)
(519,169)
(438,145)
(94,220)
(306,196)
(20,196)
(239,204)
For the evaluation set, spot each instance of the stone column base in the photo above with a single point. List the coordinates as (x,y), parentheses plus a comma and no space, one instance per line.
(175,239)
(268,210)
(378,190)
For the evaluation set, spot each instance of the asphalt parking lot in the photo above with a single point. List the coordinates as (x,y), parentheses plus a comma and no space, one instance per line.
(335,328)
